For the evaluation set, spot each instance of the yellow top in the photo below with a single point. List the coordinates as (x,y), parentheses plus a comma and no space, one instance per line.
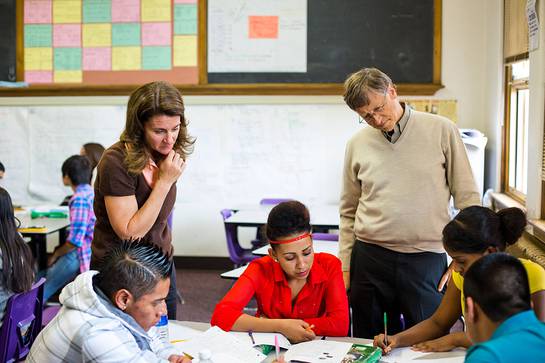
(536,278)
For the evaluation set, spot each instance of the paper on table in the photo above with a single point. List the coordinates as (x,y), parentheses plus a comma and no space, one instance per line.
(224,345)
(262,338)
(318,351)
(399,355)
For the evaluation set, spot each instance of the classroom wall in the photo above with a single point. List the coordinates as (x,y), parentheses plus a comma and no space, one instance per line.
(253,147)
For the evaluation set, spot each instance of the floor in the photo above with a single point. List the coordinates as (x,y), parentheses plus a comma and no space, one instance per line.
(201,290)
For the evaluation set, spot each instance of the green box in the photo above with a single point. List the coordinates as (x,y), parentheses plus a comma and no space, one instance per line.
(185,19)
(156,58)
(97,11)
(38,35)
(125,34)
(67,59)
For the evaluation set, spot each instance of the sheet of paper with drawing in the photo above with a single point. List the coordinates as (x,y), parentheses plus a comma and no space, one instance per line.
(224,347)
(262,339)
(318,351)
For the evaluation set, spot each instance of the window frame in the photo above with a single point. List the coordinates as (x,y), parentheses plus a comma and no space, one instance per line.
(510,87)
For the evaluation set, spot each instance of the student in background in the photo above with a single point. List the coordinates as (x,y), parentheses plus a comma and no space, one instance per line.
(2,171)
(94,152)
(299,293)
(399,176)
(16,262)
(473,233)
(136,180)
(108,315)
(73,256)
(500,320)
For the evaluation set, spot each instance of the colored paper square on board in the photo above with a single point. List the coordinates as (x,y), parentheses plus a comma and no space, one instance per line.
(156,58)
(38,59)
(97,35)
(263,27)
(67,59)
(38,76)
(156,34)
(156,10)
(185,1)
(185,19)
(126,58)
(125,11)
(97,59)
(67,76)
(97,11)
(125,34)
(38,35)
(67,35)
(66,11)
(37,11)
(185,51)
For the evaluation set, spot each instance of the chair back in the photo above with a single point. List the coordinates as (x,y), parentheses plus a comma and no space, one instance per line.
(237,253)
(22,323)
(325,236)
(273,201)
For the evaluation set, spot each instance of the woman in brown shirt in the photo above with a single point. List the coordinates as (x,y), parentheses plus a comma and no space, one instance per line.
(135,188)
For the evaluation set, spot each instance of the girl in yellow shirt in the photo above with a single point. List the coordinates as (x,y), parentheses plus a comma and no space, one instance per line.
(474,232)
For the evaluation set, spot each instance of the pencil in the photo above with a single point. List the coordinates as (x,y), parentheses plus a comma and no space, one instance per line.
(251,337)
(276,347)
(385,330)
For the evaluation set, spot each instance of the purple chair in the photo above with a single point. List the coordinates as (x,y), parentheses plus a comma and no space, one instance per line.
(325,237)
(240,256)
(273,201)
(22,323)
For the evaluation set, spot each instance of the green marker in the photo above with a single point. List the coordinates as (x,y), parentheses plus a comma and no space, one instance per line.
(385,330)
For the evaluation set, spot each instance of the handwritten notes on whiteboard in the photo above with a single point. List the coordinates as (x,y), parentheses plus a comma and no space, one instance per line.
(257,36)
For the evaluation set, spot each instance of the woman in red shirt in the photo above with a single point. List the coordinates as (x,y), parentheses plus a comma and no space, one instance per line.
(299,293)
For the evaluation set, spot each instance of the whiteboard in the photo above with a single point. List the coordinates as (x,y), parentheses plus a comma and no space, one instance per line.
(243,153)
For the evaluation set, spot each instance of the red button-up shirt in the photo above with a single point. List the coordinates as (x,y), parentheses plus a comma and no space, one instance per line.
(322,301)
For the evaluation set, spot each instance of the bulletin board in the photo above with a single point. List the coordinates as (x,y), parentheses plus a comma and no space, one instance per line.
(108,47)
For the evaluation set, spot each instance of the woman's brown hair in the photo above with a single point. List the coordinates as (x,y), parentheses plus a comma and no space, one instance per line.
(152,99)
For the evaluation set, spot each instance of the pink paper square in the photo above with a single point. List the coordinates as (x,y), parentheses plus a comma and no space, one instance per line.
(156,34)
(124,11)
(97,59)
(39,76)
(67,35)
(185,1)
(37,11)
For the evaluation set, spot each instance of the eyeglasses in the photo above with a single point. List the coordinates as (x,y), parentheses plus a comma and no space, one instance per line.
(371,115)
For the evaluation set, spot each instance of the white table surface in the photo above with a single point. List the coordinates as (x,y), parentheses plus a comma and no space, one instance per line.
(178,330)
(320,215)
(331,247)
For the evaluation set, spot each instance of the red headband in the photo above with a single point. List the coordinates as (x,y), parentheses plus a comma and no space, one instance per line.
(304,235)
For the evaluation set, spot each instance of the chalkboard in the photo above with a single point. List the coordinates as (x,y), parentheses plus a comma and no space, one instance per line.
(7,45)
(402,38)
(396,36)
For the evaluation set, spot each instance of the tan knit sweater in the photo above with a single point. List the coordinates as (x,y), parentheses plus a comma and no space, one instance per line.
(397,195)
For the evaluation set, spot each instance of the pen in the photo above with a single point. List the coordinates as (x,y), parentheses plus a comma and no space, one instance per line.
(402,321)
(385,330)
(251,336)
(276,347)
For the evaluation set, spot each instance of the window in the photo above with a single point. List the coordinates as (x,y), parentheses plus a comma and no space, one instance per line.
(515,150)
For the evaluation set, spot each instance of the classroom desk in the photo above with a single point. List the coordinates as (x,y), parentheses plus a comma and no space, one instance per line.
(331,247)
(179,330)
(322,216)
(234,274)
(38,239)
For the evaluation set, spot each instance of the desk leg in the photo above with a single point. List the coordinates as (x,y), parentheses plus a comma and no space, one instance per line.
(38,244)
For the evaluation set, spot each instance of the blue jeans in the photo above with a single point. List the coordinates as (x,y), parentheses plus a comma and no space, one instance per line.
(60,273)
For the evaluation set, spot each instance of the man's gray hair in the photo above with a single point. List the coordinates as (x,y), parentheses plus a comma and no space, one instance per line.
(358,85)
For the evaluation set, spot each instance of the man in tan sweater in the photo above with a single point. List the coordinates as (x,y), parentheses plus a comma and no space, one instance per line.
(399,175)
